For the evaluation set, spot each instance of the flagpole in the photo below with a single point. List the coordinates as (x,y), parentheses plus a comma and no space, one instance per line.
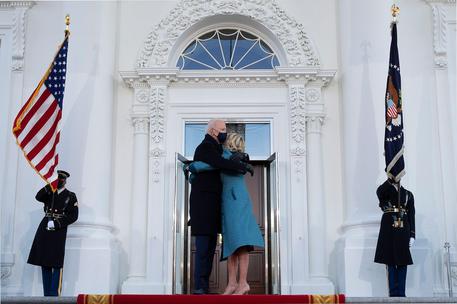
(67,25)
(67,33)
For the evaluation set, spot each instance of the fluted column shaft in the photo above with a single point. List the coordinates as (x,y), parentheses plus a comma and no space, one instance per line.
(316,202)
(138,220)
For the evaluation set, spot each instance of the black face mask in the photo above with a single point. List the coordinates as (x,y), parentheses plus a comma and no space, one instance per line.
(60,184)
(221,137)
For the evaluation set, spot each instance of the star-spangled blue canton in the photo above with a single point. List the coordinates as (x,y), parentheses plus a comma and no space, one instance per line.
(56,79)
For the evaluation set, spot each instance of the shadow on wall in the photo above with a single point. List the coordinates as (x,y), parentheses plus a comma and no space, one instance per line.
(123,266)
(72,266)
(31,281)
(369,152)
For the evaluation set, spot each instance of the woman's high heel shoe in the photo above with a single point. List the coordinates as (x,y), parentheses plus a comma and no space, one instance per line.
(241,290)
(230,289)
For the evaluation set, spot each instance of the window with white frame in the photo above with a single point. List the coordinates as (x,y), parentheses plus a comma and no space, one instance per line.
(256,136)
(227,49)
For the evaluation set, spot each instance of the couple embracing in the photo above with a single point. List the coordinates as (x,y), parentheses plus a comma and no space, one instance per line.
(220,203)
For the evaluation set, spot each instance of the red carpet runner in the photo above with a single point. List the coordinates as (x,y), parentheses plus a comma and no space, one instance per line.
(208,299)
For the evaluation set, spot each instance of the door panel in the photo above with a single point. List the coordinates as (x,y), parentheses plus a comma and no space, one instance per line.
(180,234)
(274,283)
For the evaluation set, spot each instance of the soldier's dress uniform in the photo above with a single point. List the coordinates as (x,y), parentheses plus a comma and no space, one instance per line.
(397,227)
(48,248)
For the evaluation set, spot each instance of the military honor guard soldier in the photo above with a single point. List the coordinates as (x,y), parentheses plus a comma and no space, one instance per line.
(396,234)
(48,248)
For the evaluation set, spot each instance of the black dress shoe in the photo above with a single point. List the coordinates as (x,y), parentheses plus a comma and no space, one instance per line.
(199,291)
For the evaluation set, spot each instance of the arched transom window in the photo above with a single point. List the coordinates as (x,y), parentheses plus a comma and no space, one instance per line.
(227,49)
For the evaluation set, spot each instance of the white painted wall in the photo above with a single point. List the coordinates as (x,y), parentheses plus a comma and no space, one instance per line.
(359,86)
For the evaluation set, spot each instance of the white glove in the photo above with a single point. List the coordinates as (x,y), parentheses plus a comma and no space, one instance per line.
(51,225)
(411,241)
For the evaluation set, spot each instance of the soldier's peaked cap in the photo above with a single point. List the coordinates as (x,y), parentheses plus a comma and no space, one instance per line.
(63,174)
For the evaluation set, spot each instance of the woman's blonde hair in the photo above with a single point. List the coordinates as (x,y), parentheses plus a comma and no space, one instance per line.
(234,142)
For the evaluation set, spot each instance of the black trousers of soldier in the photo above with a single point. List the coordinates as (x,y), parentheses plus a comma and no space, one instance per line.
(52,281)
(397,280)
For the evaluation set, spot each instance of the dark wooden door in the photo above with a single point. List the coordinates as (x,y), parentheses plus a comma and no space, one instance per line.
(256,271)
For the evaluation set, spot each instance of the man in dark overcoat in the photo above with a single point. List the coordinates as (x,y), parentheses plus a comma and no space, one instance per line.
(205,201)
(396,234)
(48,248)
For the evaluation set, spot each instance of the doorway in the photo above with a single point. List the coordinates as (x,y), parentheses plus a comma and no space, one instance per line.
(263,274)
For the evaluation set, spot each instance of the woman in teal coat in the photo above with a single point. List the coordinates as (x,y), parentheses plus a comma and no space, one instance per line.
(240,232)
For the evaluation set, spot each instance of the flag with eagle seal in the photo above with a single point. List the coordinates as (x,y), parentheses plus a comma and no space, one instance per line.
(393,136)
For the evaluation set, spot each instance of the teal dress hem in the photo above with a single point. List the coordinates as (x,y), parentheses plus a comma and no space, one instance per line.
(239,226)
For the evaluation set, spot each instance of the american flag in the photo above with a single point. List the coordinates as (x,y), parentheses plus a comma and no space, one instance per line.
(393,134)
(37,125)
(391,109)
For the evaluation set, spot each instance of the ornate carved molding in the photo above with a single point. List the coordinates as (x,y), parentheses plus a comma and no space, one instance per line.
(298,151)
(155,169)
(142,95)
(157,115)
(299,168)
(440,8)
(439,35)
(19,21)
(314,123)
(157,152)
(8,4)
(140,125)
(313,95)
(6,271)
(8,260)
(440,1)
(277,77)
(298,47)
(297,114)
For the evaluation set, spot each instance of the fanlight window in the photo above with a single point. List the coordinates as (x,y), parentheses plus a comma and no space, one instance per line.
(227,49)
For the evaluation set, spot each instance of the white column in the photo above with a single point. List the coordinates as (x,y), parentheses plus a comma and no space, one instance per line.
(309,258)
(86,148)
(358,275)
(319,281)
(150,255)
(138,219)
(13,29)
(136,279)
(445,109)
(316,202)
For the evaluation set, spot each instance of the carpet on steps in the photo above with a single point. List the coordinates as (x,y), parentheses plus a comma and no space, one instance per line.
(209,299)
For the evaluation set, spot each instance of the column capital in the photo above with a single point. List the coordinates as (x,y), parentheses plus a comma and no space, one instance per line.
(314,123)
(140,124)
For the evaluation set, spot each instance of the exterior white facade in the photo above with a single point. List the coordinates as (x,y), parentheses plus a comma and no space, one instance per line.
(125,108)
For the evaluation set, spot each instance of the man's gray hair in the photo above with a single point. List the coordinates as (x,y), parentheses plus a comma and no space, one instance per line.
(212,124)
